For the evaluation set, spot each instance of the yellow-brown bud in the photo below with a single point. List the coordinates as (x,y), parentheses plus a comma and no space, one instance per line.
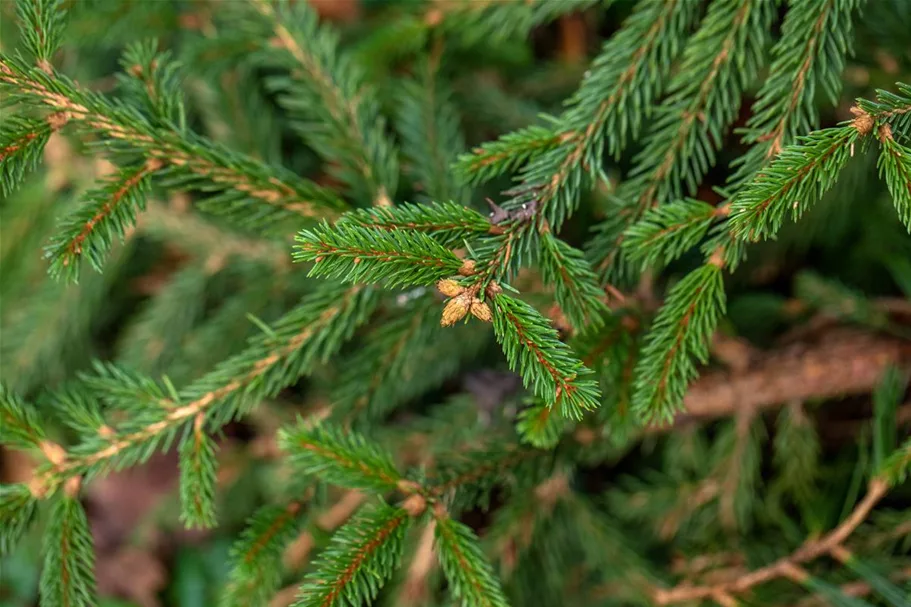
(481,310)
(449,287)
(468,267)
(455,310)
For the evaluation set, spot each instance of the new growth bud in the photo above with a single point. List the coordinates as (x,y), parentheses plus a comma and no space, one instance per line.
(455,310)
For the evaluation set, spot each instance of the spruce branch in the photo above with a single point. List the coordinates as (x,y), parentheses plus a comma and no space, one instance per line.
(68,577)
(80,410)
(304,336)
(719,62)
(41,24)
(22,141)
(896,466)
(344,458)
(335,111)
(895,167)
(797,448)
(811,54)
(153,80)
(360,558)
(428,124)
(539,427)
(466,479)
(197,477)
(798,176)
(107,213)
(295,557)
(892,108)
(256,555)
(479,21)
(681,330)
(668,231)
(20,428)
(507,154)
(467,570)
(448,223)
(352,253)
(807,52)
(546,364)
(575,284)
(17,511)
(191,161)
(613,98)
(123,389)
(886,399)
(401,359)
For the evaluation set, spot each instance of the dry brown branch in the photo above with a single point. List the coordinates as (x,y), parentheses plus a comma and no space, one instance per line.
(842,362)
(788,566)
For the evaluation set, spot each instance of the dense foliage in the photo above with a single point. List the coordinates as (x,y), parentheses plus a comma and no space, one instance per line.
(558,302)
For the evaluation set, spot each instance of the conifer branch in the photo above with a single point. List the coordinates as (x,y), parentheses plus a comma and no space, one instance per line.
(302,337)
(507,154)
(256,556)
(401,359)
(668,231)
(893,108)
(448,223)
(467,479)
(338,113)
(428,124)
(719,62)
(153,79)
(895,168)
(576,286)
(774,122)
(21,142)
(18,508)
(681,331)
(197,477)
(41,26)
(354,254)
(539,427)
(479,21)
(20,426)
(107,212)
(68,579)
(798,177)
(613,98)
(467,570)
(295,557)
(345,458)
(546,364)
(360,558)
(811,53)
(192,161)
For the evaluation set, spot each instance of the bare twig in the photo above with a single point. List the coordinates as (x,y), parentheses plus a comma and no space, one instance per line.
(788,566)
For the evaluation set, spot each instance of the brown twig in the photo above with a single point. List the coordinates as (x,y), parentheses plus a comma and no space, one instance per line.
(788,566)
(843,362)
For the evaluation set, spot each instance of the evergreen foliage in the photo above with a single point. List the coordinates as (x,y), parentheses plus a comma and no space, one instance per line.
(520,326)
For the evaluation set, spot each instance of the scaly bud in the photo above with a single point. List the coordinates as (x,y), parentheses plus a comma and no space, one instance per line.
(449,287)
(481,310)
(455,310)
(468,267)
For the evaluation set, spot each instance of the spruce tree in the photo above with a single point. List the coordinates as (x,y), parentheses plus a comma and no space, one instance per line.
(689,240)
